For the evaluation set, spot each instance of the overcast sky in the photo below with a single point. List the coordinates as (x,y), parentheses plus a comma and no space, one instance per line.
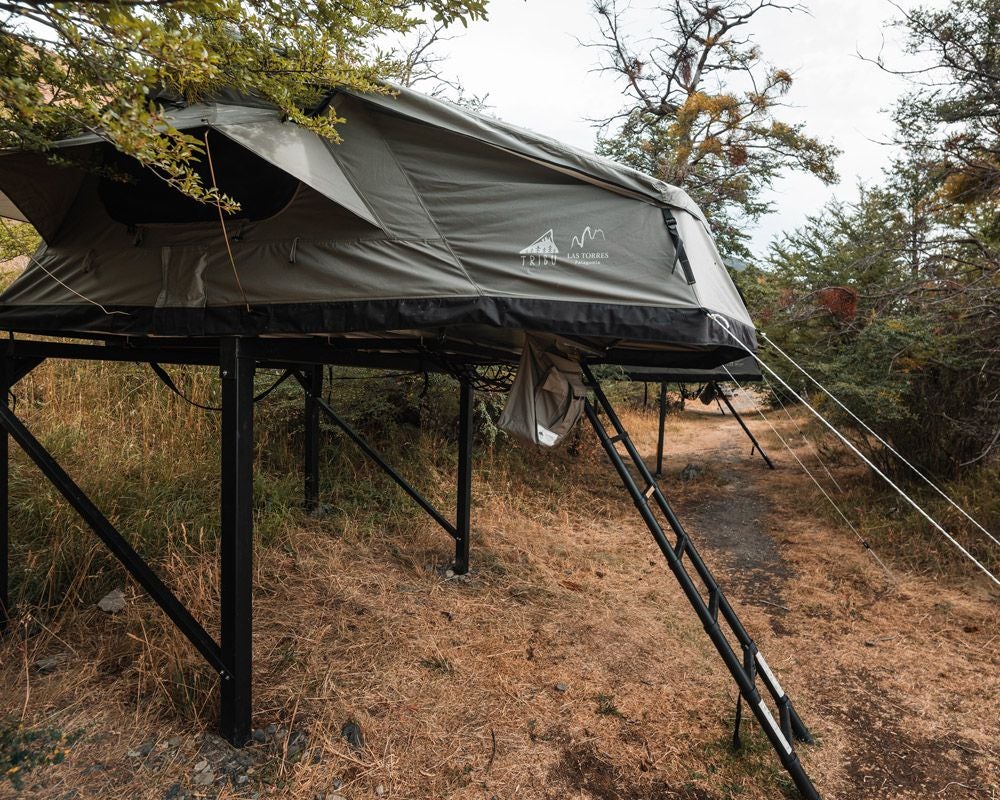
(527,59)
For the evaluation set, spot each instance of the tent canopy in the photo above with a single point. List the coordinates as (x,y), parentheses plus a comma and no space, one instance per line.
(427,223)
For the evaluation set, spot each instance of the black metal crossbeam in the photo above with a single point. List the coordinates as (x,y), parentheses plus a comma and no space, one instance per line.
(745,671)
(163,354)
(428,355)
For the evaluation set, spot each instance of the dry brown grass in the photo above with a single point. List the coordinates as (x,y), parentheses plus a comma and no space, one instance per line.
(453,682)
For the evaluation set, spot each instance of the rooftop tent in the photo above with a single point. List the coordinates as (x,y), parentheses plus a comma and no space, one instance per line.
(427,222)
(431,236)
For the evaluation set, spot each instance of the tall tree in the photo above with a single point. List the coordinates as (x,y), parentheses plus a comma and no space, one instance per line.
(918,256)
(953,111)
(913,350)
(702,111)
(421,67)
(93,66)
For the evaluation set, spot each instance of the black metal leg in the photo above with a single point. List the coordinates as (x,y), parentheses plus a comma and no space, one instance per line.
(464,504)
(236,546)
(659,437)
(746,430)
(314,376)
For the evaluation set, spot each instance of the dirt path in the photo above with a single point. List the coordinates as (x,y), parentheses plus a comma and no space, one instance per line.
(568,666)
(731,520)
(887,747)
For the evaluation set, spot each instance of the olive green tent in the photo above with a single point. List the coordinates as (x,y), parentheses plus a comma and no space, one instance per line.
(429,234)
(427,222)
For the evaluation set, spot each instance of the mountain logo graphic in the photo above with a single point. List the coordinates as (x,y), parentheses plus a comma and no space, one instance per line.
(544,245)
(589,234)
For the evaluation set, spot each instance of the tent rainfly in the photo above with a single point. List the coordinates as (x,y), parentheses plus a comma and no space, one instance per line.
(432,238)
(427,221)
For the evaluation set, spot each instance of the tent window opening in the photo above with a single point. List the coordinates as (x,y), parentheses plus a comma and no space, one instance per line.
(134,195)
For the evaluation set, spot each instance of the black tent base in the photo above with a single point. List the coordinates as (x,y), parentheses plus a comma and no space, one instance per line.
(719,394)
(237,360)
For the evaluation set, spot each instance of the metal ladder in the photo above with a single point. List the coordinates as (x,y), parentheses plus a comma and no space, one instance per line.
(712,612)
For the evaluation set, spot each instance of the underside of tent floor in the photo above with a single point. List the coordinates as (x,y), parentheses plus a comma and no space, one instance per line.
(567,665)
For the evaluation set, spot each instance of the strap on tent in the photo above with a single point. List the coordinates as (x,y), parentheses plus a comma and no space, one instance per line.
(167,381)
(675,238)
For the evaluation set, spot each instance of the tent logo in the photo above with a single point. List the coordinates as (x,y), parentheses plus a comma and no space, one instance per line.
(542,252)
(583,250)
(588,235)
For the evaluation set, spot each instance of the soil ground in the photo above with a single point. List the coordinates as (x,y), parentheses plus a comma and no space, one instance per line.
(568,665)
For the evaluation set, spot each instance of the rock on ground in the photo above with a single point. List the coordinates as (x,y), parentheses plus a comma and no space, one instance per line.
(112,602)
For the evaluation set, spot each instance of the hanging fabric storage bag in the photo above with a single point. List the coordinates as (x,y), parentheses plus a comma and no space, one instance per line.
(547,397)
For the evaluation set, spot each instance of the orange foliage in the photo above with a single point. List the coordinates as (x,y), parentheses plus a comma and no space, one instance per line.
(841,301)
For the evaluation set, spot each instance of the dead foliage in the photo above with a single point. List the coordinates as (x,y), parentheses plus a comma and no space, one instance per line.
(566,666)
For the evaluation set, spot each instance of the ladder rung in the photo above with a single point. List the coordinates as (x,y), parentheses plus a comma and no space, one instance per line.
(713,604)
(716,606)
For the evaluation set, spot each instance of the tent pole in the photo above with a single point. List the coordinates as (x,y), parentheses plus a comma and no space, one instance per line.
(746,430)
(236,546)
(659,437)
(464,503)
(311,446)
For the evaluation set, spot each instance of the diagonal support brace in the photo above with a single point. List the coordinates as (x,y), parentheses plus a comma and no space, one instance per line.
(375,456)
(114,541)
(746,430)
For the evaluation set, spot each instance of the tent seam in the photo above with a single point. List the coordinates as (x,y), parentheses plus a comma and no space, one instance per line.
(331,148)
(434,222)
